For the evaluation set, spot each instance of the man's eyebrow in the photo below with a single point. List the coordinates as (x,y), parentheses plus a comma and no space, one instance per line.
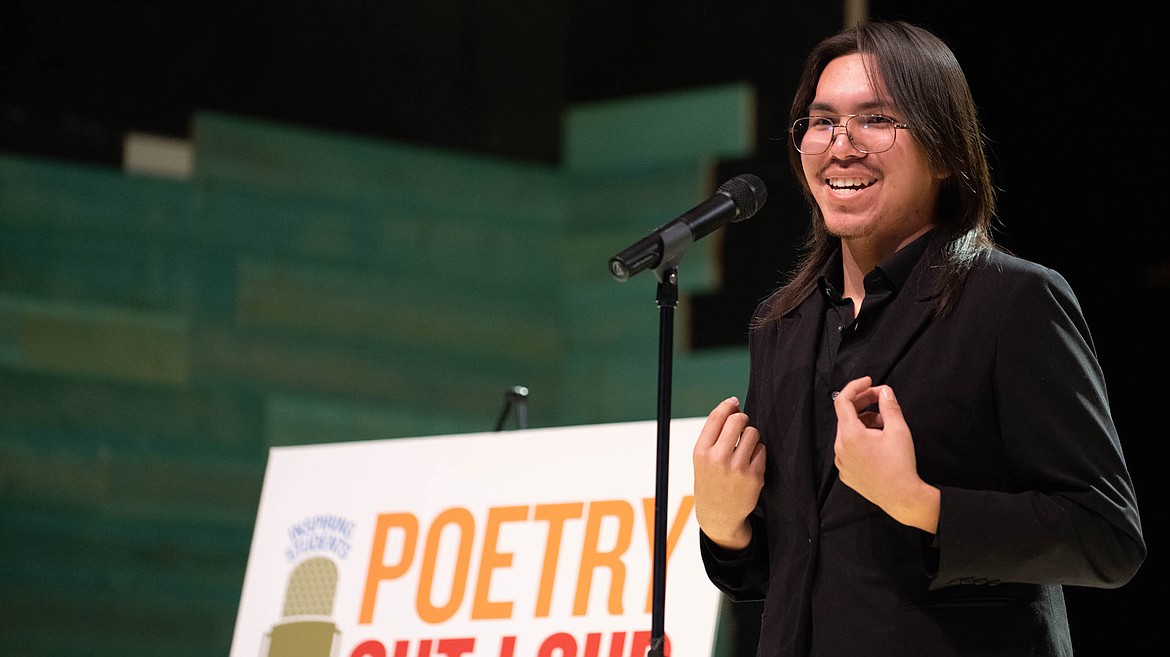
(826,108)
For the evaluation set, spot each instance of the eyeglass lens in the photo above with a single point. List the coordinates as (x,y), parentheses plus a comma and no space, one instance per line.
(868,133)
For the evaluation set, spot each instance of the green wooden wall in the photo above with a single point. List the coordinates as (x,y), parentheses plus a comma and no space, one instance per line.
(157,336)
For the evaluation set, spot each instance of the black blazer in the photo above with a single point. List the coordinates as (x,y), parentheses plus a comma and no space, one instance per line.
(1008,408)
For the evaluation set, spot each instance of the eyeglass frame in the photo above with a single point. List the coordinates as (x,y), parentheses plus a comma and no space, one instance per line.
(844,125)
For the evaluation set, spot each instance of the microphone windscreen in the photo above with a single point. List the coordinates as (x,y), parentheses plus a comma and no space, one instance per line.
(747,192)
(312,587)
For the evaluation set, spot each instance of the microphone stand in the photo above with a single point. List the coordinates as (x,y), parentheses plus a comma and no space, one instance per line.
(676,239)
(745,194)
(516,398)
(667,299)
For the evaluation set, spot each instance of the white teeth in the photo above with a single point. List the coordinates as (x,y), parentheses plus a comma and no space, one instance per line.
(849,183)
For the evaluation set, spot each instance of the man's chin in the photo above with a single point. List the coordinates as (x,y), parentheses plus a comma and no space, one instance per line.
(847,226)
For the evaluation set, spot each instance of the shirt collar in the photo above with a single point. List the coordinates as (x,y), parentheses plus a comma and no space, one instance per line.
(898,266)
(894,270)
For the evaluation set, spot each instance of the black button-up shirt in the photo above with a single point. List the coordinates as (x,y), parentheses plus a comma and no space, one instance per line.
(844,338)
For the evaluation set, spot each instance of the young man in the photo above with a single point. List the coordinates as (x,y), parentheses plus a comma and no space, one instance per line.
(926,452)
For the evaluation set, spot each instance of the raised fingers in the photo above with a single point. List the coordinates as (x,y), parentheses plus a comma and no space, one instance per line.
(851,402)
(717,423)
(726,438)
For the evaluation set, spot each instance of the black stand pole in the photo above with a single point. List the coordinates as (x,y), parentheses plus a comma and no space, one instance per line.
(516,398)
(667,301)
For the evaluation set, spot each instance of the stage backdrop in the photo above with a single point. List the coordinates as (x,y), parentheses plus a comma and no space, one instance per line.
(532,543)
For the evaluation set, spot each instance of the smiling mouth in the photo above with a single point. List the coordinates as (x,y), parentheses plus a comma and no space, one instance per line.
(845,184)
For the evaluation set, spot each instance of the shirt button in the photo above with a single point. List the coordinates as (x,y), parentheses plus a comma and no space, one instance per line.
(834,394)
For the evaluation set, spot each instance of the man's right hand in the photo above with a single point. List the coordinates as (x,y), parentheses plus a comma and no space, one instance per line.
(729,473)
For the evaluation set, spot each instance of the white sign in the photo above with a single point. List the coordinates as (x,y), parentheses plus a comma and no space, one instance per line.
(532,543)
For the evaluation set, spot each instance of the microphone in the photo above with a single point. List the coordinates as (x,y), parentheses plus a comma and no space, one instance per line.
(306,628)
(735,200)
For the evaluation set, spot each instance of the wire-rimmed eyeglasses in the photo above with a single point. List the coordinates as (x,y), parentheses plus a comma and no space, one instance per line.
(868,133)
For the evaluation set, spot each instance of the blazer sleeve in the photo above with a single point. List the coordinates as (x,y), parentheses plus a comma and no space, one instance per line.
(1071,517)
(740,574)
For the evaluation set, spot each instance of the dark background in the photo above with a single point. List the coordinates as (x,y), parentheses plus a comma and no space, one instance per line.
(1072,101)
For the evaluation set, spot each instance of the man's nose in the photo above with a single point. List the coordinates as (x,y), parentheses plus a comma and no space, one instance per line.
(841,136)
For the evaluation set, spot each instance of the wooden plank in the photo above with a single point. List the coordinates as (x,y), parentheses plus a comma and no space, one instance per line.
(278,156)
(92,200)
(93,340)
(629,134)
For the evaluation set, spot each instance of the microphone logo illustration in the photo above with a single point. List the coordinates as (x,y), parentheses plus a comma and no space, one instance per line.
(306,628)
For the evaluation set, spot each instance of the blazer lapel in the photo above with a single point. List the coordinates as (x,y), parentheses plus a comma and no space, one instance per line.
(795,334)
(906,316)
